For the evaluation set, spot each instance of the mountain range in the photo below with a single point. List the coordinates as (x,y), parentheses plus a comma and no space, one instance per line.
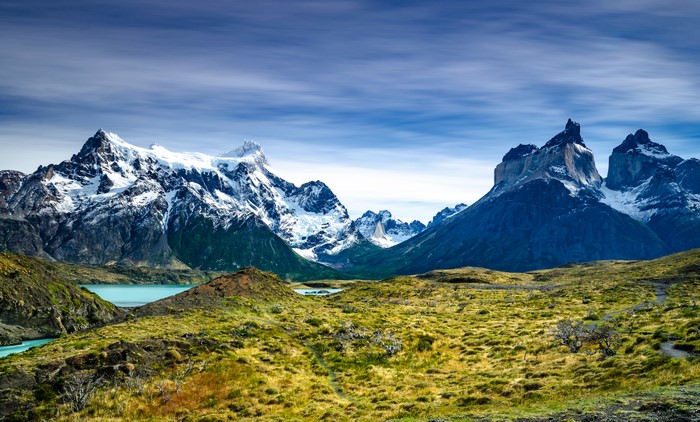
(114,202)
(550,206)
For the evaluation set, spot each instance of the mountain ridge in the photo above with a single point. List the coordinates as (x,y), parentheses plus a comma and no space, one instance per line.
(115,202)
(550,206)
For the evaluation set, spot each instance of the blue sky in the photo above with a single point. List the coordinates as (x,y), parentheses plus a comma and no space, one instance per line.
(399,105)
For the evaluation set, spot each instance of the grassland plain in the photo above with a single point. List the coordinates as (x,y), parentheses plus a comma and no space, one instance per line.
(464,344)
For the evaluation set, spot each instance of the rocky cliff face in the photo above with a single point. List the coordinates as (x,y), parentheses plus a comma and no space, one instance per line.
(37,302)
(547,208)
(10,182)
(115,202)
(384,231)
(564,158)
(657,188)
(636,160)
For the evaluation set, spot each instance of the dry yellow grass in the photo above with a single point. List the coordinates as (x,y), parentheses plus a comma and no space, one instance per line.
(474,343)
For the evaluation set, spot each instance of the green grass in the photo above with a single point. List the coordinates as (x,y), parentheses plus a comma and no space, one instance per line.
(472,343)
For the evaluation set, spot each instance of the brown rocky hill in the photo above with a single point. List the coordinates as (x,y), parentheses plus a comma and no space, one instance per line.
(248,282)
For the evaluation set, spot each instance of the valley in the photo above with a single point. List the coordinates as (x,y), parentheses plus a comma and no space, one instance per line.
(461,344)
(557,295)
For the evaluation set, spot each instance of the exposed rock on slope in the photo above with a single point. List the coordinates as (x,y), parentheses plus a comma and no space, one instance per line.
(383,230)
(247,282)
(446,213)
(115,202)
(544,210)
(36,302)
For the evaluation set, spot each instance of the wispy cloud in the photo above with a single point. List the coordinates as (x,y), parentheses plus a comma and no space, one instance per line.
(343,82)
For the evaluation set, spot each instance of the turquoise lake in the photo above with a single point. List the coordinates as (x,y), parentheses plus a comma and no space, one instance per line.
(120,295)
(8,350)
(131,295)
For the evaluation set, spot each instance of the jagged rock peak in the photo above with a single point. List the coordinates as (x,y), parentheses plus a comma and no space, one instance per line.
(640,142)
(102,146)
(564,158)
(636,159)
(446,213)
(570,134)
(95,142)
(520,151)
(249,147)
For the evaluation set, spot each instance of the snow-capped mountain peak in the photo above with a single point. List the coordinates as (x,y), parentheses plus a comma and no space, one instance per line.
(641,144)
(239,185)
(383,230)
(564,158)
(249,148)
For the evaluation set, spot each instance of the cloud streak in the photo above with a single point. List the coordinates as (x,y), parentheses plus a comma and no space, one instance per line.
(342,81)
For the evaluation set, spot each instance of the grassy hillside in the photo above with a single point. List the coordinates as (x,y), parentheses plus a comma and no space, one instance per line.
(117,274)
(465,344)
(123,274)
(37,301)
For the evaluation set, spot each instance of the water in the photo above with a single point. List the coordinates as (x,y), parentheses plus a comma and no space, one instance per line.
(8,350)
(317,292)
(130,295)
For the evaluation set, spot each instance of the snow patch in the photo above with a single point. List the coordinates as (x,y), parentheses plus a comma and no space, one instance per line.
(626,202)
(144,199)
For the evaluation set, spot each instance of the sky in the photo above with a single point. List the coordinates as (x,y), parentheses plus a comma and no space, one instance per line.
(399,105)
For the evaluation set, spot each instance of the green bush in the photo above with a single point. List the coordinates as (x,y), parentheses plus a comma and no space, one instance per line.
(425,343)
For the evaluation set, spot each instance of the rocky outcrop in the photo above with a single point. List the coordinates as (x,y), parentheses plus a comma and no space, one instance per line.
(564,157)
(248,282)
(37,302)
(383,230)
(446,213)
(546,209)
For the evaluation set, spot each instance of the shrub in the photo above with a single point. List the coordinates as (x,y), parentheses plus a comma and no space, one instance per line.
(570,334)
(79,389)
(472,401)
(173,354)
(425,343)
(351,336)
(576,335)
(314,322)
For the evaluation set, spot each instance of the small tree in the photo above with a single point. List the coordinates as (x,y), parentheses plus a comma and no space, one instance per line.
(605,337)
(576,335)
(570,334)
(79,390)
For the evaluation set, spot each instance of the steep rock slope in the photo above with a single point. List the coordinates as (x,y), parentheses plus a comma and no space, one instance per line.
(117,202)
(544,210)
(657,188)
(383,230)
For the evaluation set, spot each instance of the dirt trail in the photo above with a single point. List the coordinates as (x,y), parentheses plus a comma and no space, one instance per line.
(334,383)
(331,373)
(660,296)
